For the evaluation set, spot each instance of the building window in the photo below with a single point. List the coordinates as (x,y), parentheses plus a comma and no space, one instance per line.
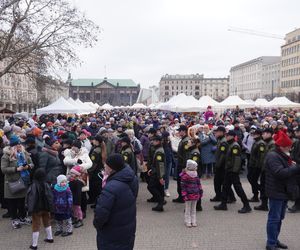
(197,93)
(166,87)
(197,88)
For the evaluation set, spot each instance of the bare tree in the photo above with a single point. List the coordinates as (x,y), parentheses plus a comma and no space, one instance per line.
(38,35)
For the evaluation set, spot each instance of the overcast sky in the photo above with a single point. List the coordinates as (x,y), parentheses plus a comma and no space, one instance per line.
(145,39)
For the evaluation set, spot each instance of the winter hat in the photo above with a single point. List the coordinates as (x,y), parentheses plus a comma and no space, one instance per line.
(60,179)
(14,140)
(115,162)
(282,140)
(126,139)
(87,133)
(36,132)
(40,175)
(76,170)
(191,165)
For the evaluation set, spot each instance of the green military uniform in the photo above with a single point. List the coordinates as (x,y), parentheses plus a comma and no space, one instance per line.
(233,164)
(221,151)
(194,154)
(256,162)
(129,157)
(183,156)
(157,173)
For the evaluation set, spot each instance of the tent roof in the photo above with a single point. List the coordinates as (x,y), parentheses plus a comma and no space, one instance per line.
(60,106)
(233,101)
(106,106)
(283,102)
(138,106)
(206,100)
(261,102)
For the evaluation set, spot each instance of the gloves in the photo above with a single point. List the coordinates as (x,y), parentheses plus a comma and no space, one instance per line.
(79,161)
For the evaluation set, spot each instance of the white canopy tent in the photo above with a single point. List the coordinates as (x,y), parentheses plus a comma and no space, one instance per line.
(107,106)
(92,105)
(233,101)
(138,106)
(172,102)
(187,104)
(250,101)
(60,106)
(283,102)
(86,108)
(261,103)
(206,101)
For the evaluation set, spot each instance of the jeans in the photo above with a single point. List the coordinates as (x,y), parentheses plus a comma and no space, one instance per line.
(275,217)
(167,175)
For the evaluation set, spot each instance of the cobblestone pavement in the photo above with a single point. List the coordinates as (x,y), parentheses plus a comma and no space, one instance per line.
(226,230)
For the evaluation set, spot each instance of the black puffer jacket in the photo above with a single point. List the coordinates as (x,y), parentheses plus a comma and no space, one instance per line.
(280,176)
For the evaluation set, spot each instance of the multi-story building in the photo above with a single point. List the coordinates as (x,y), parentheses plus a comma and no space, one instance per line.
(17,92)
(256,78)
(194,84)
(290,66)
(50,89)
(117,92)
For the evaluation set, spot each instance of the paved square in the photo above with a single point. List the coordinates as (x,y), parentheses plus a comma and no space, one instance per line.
(226,230)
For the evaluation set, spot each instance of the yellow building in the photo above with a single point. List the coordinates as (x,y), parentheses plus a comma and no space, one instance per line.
(290,66)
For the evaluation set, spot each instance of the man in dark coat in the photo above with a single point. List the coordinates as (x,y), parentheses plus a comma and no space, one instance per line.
(295,154)
(280,187)
(115,213)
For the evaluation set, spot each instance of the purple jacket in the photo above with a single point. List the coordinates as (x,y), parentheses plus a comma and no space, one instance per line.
(191,188)
(63,201)
(146,144)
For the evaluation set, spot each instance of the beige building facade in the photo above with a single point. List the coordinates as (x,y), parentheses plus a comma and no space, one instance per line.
(290,66)
(17,92)
(256,78)
(194,84)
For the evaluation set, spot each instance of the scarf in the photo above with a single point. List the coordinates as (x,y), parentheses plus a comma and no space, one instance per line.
(60,189)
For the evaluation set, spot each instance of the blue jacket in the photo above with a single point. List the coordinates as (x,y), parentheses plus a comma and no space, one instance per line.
(115,213)
(208,148)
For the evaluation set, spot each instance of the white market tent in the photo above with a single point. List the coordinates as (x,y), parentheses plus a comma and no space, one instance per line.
(85,108)
(283,102)
(60,106)
(250,101)
(233,101)
(187,104)
(138,106)
(206,101)
(261,103)
(172,102)
(107,106)
(92,105)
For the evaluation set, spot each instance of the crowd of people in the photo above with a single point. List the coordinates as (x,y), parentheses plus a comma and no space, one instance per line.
(54,166)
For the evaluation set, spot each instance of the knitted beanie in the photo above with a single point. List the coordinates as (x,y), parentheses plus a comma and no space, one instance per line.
(191,165)
(60,179)
(115,162)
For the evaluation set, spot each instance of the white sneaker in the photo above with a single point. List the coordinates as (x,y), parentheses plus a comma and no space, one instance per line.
(16,224)
(25,221)
(167,193)
(194,225)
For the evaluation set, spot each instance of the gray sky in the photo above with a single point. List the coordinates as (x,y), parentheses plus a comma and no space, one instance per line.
(144,40)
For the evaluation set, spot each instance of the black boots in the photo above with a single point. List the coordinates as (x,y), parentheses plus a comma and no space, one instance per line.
(294,209)
(199,206)
(263,206)
(245,209)
(215,199)
(222,206)
(178,200)
(254,199)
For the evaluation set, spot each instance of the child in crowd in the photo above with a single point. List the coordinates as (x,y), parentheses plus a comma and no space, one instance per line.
(63,201)
(77,181)
(39,202)
(191,192)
